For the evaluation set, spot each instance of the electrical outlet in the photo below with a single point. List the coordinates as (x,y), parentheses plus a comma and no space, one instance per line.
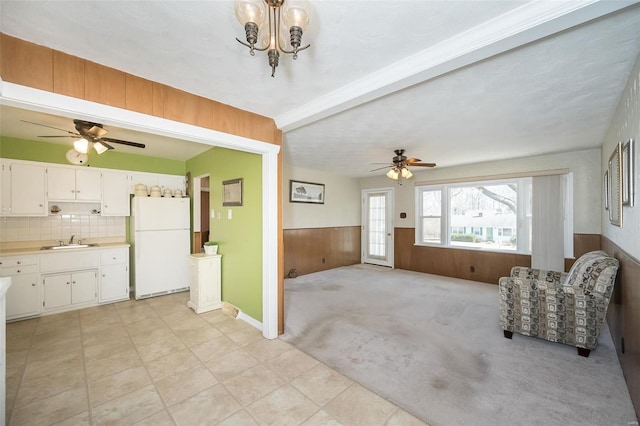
(472,269)
(230,214)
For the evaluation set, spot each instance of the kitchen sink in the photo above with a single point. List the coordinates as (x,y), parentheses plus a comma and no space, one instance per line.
(68,246)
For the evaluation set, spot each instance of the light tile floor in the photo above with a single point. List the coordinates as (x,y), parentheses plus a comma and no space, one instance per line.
(156,362)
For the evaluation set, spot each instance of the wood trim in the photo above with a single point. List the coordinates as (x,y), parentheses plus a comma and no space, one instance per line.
(623,317)
(317,249)
(582,243)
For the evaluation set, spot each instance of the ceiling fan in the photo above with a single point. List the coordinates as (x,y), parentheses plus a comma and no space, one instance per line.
(400,163)
(90,134)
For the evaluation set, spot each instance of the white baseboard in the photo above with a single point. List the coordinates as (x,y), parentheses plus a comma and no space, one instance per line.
(249,320)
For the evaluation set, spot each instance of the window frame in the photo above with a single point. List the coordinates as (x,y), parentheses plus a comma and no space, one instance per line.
(523,214)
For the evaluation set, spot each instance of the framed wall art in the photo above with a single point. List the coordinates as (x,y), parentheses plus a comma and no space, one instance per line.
(628,184)
(615,186)
(605,189)
(306,192)
(232,192)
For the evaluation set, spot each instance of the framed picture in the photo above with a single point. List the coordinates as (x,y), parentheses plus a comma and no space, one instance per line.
(605,185)
(306,192)
(628,185)
(615,186)
(232,192)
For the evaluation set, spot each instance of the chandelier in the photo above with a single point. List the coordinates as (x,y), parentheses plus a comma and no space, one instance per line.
(251,15)
(397,172)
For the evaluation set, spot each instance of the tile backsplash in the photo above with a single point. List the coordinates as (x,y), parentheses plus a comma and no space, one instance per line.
(61,227)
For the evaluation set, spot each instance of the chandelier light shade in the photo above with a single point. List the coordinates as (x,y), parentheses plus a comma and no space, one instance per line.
(285,20)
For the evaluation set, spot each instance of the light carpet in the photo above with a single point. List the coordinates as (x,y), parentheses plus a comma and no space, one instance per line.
(433,345)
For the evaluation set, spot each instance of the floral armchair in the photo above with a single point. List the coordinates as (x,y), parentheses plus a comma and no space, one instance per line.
(567,308)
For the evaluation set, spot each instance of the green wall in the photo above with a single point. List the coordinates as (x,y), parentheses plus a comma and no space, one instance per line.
(47,152)
(239,238)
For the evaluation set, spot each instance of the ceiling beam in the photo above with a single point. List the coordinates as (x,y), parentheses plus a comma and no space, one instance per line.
(525,24)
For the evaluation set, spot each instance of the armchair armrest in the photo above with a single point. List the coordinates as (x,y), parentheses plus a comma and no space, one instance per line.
(538,274)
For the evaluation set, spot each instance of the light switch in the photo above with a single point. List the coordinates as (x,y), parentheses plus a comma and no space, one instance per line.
(230,214)
(213,213)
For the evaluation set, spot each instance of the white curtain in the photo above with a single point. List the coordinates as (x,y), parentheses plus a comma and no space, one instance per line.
(549,196)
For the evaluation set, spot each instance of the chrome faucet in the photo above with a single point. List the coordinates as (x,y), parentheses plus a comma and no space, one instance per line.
(71,240)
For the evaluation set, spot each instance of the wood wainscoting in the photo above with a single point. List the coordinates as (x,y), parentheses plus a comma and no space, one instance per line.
(473,265)
(310,250)
(623,318)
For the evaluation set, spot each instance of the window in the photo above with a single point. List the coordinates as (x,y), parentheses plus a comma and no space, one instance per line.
(431,215)
(489,215)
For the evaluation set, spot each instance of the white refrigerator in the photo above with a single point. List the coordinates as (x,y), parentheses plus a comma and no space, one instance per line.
(160,245)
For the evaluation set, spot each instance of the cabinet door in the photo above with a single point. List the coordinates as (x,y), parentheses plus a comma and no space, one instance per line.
(22,296)
(61,183)
(114,283)
(88,185)
(115,194)
(5,190)
(83,286)
(28,190)
(57,290)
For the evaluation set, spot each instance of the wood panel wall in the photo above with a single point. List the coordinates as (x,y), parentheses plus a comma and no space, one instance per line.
(623,317)
(472,265)
(31,65)
(317,249)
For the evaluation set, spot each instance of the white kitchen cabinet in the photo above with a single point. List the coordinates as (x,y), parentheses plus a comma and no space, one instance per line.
(70,184)
(23,299)
(62,290)
(23,189)
(114,280)
(115,194)
(204,282)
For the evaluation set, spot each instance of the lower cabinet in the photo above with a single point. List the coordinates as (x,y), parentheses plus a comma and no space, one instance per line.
(62,290)
(114,282)
(204,282)
(23,297)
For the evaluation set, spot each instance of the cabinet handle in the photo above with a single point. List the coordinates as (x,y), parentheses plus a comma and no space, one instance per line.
(73,282)
(33,284)
(68,283)
(18,262)
(103,275)
(19,271)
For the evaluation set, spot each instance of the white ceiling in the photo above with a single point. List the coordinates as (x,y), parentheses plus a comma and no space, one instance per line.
(453,82)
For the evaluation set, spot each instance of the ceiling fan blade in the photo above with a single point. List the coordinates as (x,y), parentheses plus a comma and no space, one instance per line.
(133,144)
(51,127)
(63,136)
(423,164)
(380,168)
(412,160)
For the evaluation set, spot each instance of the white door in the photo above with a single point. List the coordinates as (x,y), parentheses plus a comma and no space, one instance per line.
(57,291)
(377,227)
(115,194)
(88,185)
(28,190)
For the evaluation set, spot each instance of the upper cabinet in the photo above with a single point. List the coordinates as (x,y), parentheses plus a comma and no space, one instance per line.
(171,182)
(69,184)
(23,189)
(115,194)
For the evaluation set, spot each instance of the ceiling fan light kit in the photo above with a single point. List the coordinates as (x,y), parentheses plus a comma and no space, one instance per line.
(400,166)
(291,13)
(90,135)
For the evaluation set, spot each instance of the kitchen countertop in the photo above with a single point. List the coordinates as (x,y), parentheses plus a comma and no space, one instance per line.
(36,249)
